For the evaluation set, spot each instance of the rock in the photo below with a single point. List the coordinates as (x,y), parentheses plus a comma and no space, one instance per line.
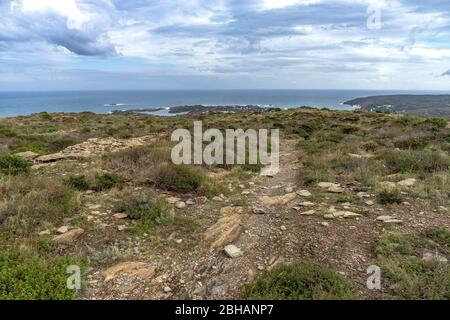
(44,233)
(172,200)
(407,182)
(56,157)
(388,219)
(430,256)
(121,227)
(369,203)
(289,189)
(190,202)
(258,210)
(360,156)
(180,205)
(225,231)
(129,269)
(217,198)
(308,213)
(232,251)
(283,228)
(250,275)
(326,185)
(68,237)
(62,229)
(167,289)
(342,214)
(277,200)
(27,155)
(120,215)
(335,189)
(304,193)
(325,224)
(363,195)
(307,204)
(269,171)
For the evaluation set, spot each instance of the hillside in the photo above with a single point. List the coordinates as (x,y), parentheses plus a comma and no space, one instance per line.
(428,105)
(355,189)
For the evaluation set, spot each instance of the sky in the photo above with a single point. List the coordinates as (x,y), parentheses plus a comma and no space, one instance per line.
(224,44)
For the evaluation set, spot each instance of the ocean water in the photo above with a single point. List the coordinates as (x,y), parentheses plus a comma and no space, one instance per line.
(24,103)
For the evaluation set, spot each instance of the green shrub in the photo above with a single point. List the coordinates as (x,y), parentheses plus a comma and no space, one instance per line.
(25,275)
(78,182)
(410,143)
(106,181)
(147,209)
(299,281)
(13,165)
(390,196)
(406,273)
(416,161)
(31,202)
(98,182)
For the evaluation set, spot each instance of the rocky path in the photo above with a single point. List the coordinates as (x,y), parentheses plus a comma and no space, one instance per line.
(279,223)
(200,268)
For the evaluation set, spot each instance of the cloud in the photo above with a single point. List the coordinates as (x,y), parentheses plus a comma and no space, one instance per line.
(446,73)
(78,26)
(283,42)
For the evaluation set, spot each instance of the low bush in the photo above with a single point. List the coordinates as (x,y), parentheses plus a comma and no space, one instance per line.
(13,165)
(390,196)
(299,281)
(406,273)
(26,275)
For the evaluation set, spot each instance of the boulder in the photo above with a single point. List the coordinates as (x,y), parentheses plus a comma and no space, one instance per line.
(225,231)
(69,237)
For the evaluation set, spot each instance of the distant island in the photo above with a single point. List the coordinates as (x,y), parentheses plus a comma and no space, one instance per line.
(428,105)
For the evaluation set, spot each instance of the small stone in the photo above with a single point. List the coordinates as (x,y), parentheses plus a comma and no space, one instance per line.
(120,215)
(121,227)
(250,275)
(325,224)
(430,256)
(327,185)
(304,193)
(218,199)
(308,213)
(336,189)
(407,182)
(190,202)
(369,203)
(167,289)
(172,200)
(289,189)
(44,232)
(388,219)
(62,229)
(232,251)
(178,241)
(363,195)
(283,228)
(258,210)
(307,204)
(180,205)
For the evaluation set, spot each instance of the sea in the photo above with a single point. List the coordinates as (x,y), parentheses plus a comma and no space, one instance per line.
(25,103)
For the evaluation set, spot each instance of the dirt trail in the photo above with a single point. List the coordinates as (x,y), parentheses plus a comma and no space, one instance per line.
(192,269)
(182,265)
